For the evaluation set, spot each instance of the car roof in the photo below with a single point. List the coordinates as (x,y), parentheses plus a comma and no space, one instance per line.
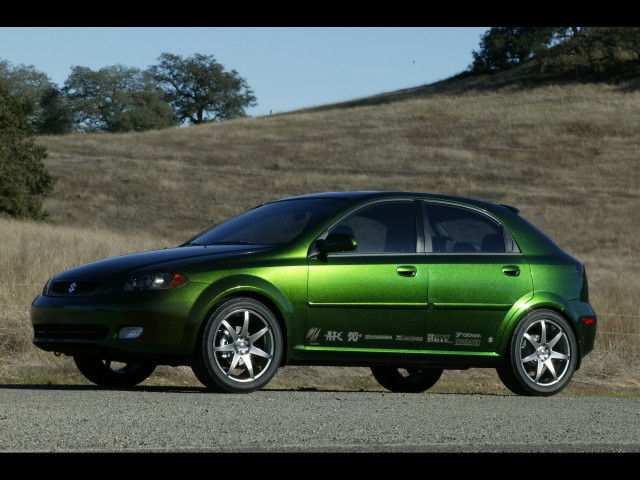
(367,195)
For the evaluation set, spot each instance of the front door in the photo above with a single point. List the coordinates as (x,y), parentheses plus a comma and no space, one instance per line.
(374,297)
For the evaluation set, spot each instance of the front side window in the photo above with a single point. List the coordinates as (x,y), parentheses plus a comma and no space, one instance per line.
(462,230)
(388,227)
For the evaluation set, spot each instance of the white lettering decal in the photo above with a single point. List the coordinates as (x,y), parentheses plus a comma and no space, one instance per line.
(408,338)
(312,335)
(333,336)
(438,338)
(468,335)
(378,337)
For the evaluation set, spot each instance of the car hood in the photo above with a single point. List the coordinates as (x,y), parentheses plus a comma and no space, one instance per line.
(167,259)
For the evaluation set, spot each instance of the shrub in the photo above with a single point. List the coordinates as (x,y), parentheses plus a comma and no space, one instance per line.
(24,179)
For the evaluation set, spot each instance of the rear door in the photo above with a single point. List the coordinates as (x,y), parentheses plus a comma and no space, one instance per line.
(476,275)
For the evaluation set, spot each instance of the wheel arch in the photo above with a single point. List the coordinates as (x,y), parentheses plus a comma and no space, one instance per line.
(543,301)
(242,286)
(268,302)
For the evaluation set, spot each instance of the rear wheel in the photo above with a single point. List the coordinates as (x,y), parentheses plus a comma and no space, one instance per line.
(240,348)
(542,355)
(407,380)
(109,373)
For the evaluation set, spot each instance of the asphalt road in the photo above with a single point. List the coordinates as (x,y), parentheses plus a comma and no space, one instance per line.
(157,419)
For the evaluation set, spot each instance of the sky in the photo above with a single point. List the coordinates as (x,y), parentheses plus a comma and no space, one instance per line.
(287,68)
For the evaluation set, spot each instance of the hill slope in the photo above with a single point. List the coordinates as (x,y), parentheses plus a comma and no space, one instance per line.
(565,154)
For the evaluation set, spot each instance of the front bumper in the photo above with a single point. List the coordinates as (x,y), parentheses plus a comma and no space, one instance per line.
(91,324)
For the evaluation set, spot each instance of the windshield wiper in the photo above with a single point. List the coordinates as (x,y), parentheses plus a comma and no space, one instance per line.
(236,242)
(233,242)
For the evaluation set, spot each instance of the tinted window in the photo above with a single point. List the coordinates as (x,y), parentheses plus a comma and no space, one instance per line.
(273,223)
(388,227)
(462,230)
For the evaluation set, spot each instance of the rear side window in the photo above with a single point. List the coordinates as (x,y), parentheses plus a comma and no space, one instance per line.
(454,229)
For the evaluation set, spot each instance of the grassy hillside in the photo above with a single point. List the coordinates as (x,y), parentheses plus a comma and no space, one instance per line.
(566,155)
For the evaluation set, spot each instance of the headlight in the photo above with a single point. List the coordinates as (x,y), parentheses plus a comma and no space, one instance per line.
(154,281)
(47,286)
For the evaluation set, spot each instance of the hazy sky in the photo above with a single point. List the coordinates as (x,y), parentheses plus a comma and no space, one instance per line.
(286,67)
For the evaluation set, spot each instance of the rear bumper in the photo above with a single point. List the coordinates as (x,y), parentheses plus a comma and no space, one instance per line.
(586,322)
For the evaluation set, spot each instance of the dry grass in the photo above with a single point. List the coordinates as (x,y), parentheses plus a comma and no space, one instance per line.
(565,155)
(31,254)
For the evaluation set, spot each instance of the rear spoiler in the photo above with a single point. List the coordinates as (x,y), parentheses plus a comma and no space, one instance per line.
(515,210)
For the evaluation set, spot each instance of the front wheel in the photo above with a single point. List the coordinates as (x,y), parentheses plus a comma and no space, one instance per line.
(541,356)
(240,348)
(109,373)
(409,380)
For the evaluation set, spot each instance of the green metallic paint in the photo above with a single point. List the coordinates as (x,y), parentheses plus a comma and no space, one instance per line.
(470,297)
(412,352)
(361,300)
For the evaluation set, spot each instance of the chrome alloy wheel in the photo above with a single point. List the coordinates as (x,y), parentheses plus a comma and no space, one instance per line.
(545,352)
(243,345)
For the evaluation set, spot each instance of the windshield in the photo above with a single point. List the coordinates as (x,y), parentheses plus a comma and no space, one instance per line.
(270,224)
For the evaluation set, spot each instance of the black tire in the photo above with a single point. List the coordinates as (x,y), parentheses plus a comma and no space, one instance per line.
(240,348)
(541,356)
(406,380)
(108,373)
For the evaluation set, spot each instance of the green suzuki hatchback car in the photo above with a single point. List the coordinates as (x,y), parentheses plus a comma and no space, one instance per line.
(407,284)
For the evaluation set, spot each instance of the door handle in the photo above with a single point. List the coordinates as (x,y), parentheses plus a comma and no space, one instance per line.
(407,271)
(511,270)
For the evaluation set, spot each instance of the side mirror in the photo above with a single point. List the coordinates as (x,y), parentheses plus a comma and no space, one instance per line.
(337,242)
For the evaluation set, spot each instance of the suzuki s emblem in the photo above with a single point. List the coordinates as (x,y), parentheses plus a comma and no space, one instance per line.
(72,287)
